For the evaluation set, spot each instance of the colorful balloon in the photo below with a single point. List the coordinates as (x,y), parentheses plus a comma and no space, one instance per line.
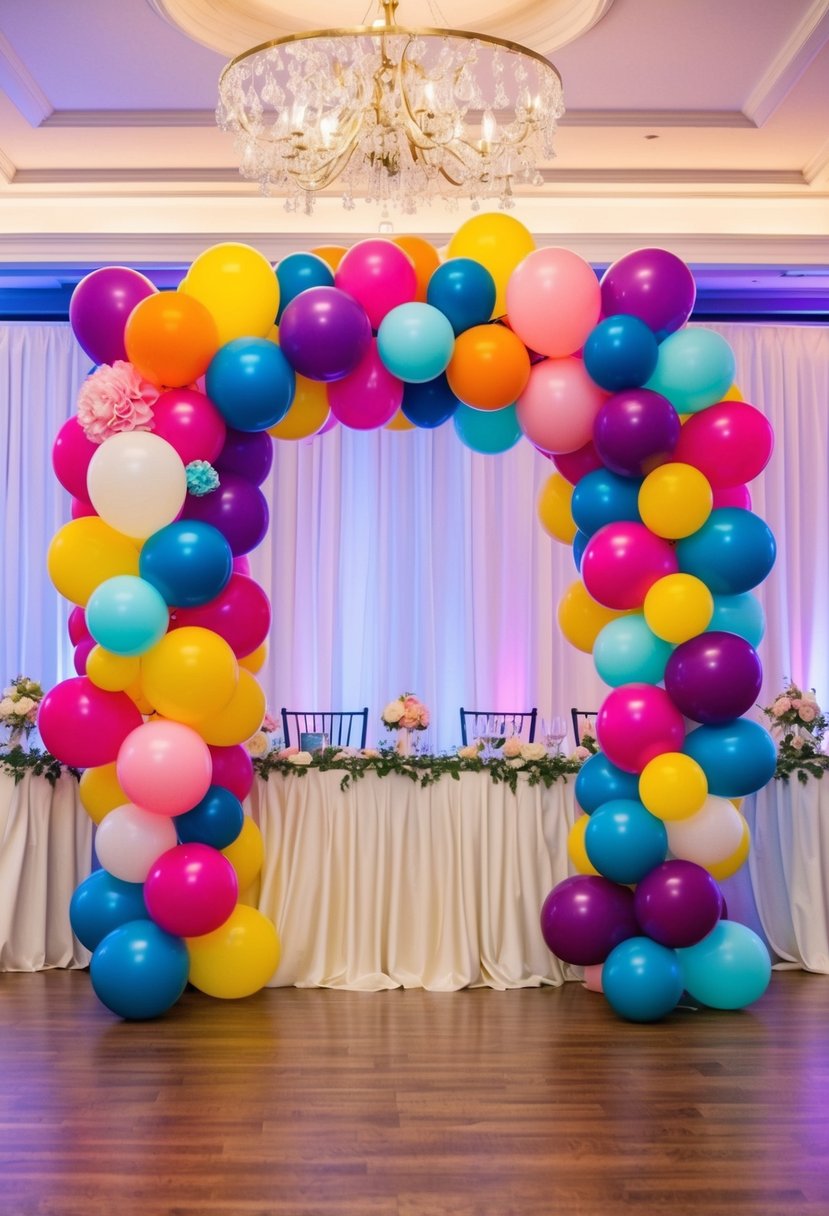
(737,757)
(238,509)
(621,353)
(678,607)
(673,786)
(127,615)
(636,723)
(86,552)
(554,509)
(137,483)
(378,275)
(558,406)
(215,820)
(598,781)
(709,836)
(728,969)
(297,272)
(170,339)
(129,840)
(240,613)
(499,243)
(585,916)
(232,768)
(84,726)
(164,767)
(100,306)
(714,677)
(237,286)
(621,563)
(309,411)
(188,562)
(489,432)
(731,443)
(431,404)
(602,497)
(369,396)
(138,971)
(624,841)
(423,256)
(489,367)
(247,454)
(190,890)
(642,980)
(236,959)
(653,285)
(694,369)
(581,618)
(464,291)
(190,675)
(71,454)
(626,651)
(324,333)
(732,552)
(251,383)
(678,903)
(415,342)
(190,423)
(102,903)
(635,431)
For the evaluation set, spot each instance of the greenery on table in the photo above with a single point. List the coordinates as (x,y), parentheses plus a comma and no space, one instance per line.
(17,762)
(803,764)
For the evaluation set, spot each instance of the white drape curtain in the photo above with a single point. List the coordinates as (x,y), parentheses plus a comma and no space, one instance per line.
(404,562)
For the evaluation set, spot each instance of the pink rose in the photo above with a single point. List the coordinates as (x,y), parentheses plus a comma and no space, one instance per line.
(797,743)
(269,723)
(581,753)
(115,399)
(424,717)
(287,752)
(781,706)
(807,712)
(512,747)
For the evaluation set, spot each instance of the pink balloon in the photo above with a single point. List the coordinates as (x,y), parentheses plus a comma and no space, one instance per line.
(71,454)
(240,613)
(190,423)
(79,508)
(575,465)
(622,561)
(367,398)
(77,626)
(83,725)
(241,564)
(636,723)
(327,426)
(379,275)
(553,301)
(731,443)
(593,978)
(190,890)
(733,496)
(164,767)
(232,768)
(81,654)
(557,408)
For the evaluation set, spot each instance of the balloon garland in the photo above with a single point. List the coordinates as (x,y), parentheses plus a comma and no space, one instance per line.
(164,460)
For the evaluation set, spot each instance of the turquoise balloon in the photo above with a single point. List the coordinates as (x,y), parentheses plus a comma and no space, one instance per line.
(624,841)
(487,431)
(464,291)
(598,781)
(296,273)
(737,757)
(732,552)
(741,614)
(415,342)
(628,652)
(127,615)
(642,980)
(695,369)
(728,969)
(601,497)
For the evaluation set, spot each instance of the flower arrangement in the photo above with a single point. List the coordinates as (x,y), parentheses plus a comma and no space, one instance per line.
(18,708)
(115,398)
(406,713)
(797,720)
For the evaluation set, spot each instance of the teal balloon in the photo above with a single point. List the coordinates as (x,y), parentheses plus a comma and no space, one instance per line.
(598,781)
(728,969)
(742,614)
(732,552)
(624,841)
(579,545)
(621,352)
(602,497)
(464,291)
(251,383)
(217,820)
(642,980)
(695,369)
(737,757)
(188,562)
(487,431)
(429,405)
(138,971)
(297,272)
(102,903)
(415,342)
(628,652)
(127,615)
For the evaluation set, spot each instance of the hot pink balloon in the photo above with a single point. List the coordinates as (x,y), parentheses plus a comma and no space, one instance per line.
(83,725)
(622,561)
(71,454)
(190,423)
(241,564)
(164,767)
(190,890)
(82,653)
(240,613)
(80,509)
(553,301)
(232,768)
(378,275)
(557,409)
(636,723)
(732,496)
(731,443)
(575,465)
(77,626)
(367,398)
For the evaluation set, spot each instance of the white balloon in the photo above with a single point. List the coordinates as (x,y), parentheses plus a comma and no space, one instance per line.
(129,840)
(137,483)
(713,834)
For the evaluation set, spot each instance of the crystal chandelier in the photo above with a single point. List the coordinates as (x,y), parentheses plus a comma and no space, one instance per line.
(391,115)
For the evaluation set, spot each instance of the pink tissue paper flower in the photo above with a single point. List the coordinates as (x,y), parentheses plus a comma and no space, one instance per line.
(115,398)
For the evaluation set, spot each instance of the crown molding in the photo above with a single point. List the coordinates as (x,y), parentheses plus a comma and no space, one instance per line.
(23,90)
(130,118)
(807,38)
(7,168)
(816,170)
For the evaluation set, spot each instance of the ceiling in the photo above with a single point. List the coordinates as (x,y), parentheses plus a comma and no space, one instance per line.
(699,125)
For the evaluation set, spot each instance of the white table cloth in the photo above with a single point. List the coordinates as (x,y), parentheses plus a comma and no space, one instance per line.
(45,851)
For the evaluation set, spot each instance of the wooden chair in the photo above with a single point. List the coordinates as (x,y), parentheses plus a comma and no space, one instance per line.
(474,723)
(580,717)
(344,728)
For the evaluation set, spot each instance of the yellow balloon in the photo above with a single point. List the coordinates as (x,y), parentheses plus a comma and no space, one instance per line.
(112,672)
(554,509)
(238,958)
(240,718)
(238,287)
(247,854)
(136,694)
(273,335)
(581,619)
(100,791)
(399,423)
(673,786)
(733,394)
(499,243)
(678,607)
(575,847)
(85,553)
(724,869)
(309,411)
(190,675)
(256,660)
(675,500)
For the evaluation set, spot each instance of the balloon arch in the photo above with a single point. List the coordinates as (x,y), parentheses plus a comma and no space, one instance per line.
(652,447)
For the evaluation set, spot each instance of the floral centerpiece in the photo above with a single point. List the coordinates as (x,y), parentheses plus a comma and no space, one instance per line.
(798,724)
(404,715)
(18,708)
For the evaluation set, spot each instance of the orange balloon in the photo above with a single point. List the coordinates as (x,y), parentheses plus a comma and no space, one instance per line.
(332,254)
(399,423)
(425,257)
(172,341)
(489,368)
(309,411)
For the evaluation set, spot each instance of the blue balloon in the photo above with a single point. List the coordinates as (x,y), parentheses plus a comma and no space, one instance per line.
(602,497)
(737,757)
(188,562)
(642,980)
(102,903)
(139,971)
(251,383)
(415,342)
(624,841)
(431,404)
(464,291)
(488,431)
(732,552)
(628,652)
(127,615)
(579,545)
(741,614)
(695,369)
(598,782)
(728,969)
(299,271)
(621,352)
(217,820)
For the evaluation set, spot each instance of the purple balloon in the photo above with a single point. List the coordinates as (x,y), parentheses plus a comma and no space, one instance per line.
(324,333)
(652,284)
(247,453)
(678,903)
(238,509)
(100,306)
(635,431)
(714,677)
(587,916)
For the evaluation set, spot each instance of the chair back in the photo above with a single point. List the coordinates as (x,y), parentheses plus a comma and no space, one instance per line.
(474,723)
(344,727)
(580,718)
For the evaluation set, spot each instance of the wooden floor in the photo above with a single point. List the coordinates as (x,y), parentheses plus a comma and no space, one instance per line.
(411,1103)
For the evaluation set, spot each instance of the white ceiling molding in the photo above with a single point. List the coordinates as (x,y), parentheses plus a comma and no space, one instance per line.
(8,170)
(816,170)
(98,119)
(21,87)
(808,37)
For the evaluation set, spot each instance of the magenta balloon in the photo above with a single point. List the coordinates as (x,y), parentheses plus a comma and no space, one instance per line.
(636,723)
(77,626)
(81,509)
(559,405)
(652,284)
(575,465)
(100,307)
(327,426)
(622,561)
(241,565)
(83,725)
(190,423)
(678,903)
(71,454)
(731,443)
(238,509)
(369,397)
(378,275)
(190,890)
(248,453)
(324,333)
(585,917)
(714,677)
(732,496)
(82,652)
(240,613)
(233,769)
(635,431)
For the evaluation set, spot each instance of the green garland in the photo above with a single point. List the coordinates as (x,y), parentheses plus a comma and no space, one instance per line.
(17,763)
(803,763)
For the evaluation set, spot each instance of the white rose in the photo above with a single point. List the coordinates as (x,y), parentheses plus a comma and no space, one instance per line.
(7,706)
(300,758)
(533,751)
(393,712)
(24,705)
(258,744)
(10,691)
(516,763)
(470,752)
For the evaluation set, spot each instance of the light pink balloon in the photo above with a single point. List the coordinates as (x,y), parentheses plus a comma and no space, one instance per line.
(367,398)
(636,723)
(593,978)
(191,890)
(128,840)
(190,423)
(553,301)
(557,409)
(164,767)
(379,275)
(622,561)
(71,454)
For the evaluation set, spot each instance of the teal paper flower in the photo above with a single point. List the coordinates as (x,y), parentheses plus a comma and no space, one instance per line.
(202,478)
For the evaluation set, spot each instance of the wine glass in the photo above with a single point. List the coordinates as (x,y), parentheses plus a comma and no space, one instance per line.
(555,733)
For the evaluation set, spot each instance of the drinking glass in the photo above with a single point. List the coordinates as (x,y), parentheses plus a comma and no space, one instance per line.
(555,732)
